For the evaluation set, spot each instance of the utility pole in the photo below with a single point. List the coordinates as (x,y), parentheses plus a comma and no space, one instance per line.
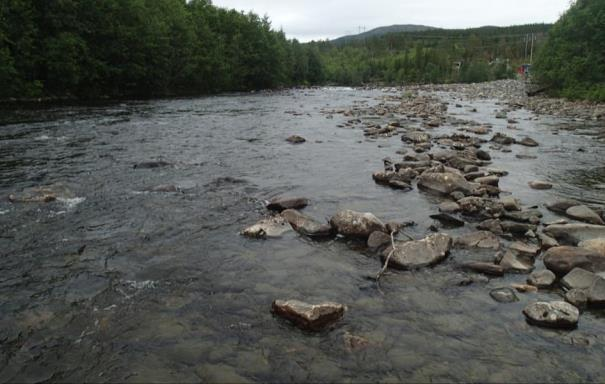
(531,57)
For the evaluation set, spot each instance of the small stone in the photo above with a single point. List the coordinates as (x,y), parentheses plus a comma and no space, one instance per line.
(504,295)
(528,142)
(577,298)
(307,226)
(524,288)
(542,279)
(596,293)
(312,317)
(267,228)
(557,314)
(449,207)
(378,240)
(596,245)
(485,268)
(356,224)
(354,343)
(481,239)
(510,203)
(488,180)
(517,263)
(412,255)
(295,139)
(540,185)
(525,249)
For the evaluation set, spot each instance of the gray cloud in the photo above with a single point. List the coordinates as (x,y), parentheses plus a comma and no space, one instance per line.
(320,19)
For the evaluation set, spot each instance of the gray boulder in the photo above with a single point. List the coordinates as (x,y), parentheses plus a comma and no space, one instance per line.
(445,183)
(585,214)
(578,278)
(556,314)
(575,233)
(356,224)
(562,260)
(282,203)
(305,225)
(311,317)
(542,279)
(419,254)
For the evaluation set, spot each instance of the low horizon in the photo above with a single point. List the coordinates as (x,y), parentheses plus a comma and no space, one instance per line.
(304,23)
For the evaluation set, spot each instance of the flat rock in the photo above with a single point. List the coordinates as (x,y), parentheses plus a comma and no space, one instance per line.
(445,183)
(311,317)
(282,203)
(540,185)
(542,279)
(556,314)
(488,180)
(596,245)
(561,206)
(502,139)
(531,216)
(481,239)
(585,214)
(596,293)
(577,297)
(448,220)
(517,228)
(547,242)
(578,278)
(485,268)
(525,249)
(504,295)
(419,254)
(356,224)
(575,233)
(517,263)
(267,228)
(562,260)
(305,225)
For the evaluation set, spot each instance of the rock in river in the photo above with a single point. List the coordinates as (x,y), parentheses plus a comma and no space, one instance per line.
(578,279)
(485,268)
(528,142)
(556,314)
(540,185)
(305,225)
(575,233)
(515,262)
(269,227)
(311,317)
(481,239)
(585,214)
(504,295)
(152,164)
(356,224)
(295,139)
(562,260)
(378,240)
(445,183)
(418,254)
(282,203)
(542,279)
(44,194)
(596,245)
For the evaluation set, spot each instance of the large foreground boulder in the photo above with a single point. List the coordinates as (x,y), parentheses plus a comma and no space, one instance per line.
(556,314)
(412,255)
(562,260)
(356,224)
(305,225)
(310,317)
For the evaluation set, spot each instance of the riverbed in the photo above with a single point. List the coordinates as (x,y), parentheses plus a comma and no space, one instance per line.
(115,282)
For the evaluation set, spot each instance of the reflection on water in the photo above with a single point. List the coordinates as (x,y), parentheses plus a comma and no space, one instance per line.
(118,285)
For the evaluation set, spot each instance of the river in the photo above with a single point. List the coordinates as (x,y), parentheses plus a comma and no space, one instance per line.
(112,283)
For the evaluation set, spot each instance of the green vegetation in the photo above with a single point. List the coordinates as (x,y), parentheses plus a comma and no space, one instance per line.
(92,48)
(572,62)
(431,56)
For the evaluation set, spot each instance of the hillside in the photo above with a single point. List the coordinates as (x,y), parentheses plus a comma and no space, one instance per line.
(380,31)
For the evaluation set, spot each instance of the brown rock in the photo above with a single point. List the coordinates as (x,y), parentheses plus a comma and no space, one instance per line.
(282,203)
(312,317)
(356,224)
(419,254)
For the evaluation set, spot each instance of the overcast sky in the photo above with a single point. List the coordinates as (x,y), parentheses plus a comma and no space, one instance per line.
(326,19)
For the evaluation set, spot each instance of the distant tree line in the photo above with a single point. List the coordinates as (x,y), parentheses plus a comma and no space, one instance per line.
(97,48)
(572,62)
(433,56)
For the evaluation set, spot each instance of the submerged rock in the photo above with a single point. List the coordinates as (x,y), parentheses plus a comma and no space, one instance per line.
(540,185)
(485,268)
(448,220)
(504,295)
(419,254)
(152,164)
(282,203)
(267,228)
(310,317)
(44,194)
(356,224)
(515,262)
(305,225)
(445,183)
(378,240)
(556,314)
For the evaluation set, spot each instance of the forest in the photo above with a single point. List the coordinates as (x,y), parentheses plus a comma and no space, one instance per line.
(86,49)
(121,48)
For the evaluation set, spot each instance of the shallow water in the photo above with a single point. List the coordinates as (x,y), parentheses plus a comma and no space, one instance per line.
(116,284)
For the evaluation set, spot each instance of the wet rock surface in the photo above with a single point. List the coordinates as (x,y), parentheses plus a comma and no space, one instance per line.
(306,225)
(356,224)
(557,314)
(562,260)
(418,254)
(282,203)
(312,317)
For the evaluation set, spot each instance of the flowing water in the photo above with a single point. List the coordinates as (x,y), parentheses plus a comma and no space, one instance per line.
(116,284)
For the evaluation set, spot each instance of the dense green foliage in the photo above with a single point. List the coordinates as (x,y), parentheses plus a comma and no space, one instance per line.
(92,48)
(431,56)
(572,62)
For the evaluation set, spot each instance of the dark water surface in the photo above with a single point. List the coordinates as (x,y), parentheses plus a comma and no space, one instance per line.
(115,284)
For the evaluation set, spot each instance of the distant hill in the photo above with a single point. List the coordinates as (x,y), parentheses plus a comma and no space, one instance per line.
(383,31)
